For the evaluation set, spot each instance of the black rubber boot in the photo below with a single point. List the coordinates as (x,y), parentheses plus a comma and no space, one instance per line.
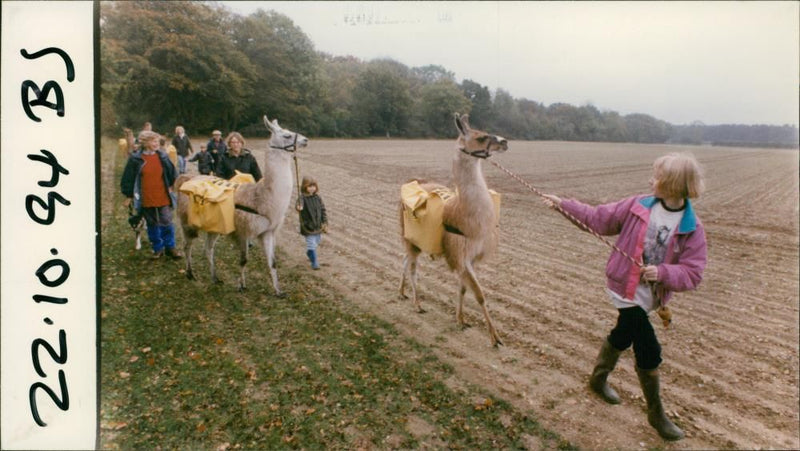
(604,365)
(655,411)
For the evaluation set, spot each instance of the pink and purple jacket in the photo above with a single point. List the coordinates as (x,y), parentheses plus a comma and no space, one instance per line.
(686,257)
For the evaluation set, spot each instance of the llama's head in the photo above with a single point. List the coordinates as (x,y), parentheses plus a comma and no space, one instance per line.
(477,143)
(281,138)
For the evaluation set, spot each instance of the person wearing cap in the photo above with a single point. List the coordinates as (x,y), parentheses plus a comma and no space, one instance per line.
(217,148)
(238,159)
(147,183)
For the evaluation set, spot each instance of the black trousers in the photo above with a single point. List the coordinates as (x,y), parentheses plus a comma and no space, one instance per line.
(634,328)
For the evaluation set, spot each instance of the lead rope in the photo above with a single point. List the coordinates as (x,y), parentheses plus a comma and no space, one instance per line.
(299,202)
(663,311)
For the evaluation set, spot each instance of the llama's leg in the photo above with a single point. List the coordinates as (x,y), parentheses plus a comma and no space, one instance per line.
(403,278)
(472,282)
(268,244)
(187,251)
(211,242)
(244,245)
(462,289)
(410,266)
(189,235)
(138,244)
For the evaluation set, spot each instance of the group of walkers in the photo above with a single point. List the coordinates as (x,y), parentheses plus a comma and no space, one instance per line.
(150,174)
(660,230)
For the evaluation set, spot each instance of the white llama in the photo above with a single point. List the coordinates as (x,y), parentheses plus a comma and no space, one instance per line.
(260,207)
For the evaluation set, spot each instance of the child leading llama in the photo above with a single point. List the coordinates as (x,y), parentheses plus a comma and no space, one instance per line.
(313,218)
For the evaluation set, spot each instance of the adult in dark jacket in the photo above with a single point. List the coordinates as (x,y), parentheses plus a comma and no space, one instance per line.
(237,159)
(183,146)
(147,182)
(217,148)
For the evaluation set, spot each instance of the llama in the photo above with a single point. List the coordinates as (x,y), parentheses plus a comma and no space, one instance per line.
(260,207)
(469,219)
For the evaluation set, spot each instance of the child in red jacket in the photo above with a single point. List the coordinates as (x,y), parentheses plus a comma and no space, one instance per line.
(663,233)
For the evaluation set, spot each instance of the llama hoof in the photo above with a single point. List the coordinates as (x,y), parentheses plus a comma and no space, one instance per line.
(217,282)
(281,295)
(189,275)
(498,343)
(242,288)
(403,296)
(465,326)
(421,310)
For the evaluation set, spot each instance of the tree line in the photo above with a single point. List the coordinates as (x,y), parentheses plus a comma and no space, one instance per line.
(203,66)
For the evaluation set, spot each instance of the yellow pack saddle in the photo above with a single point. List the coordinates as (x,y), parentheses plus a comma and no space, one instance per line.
(212,206)
(423,213)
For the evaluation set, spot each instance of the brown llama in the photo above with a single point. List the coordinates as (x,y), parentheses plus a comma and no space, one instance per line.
(470,221)
(260,207)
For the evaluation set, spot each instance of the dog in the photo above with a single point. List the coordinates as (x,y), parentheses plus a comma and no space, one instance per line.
(137,223)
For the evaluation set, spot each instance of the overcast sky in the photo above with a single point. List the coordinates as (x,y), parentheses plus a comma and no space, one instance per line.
(716,62)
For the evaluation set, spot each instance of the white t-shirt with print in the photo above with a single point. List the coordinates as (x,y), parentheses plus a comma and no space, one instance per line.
(660,229)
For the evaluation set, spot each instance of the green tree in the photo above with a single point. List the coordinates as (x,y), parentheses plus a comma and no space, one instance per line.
(646,129)
(169,62)
(433,74)
(438,102)
(382,103)
(508,119)
(286,81)
(481,115)
(339,76)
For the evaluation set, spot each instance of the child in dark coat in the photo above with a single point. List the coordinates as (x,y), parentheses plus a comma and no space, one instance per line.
(313,219)
(205,161)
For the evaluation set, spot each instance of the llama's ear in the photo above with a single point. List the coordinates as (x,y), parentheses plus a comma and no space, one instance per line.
(462,128)
(266,121)
(275,123)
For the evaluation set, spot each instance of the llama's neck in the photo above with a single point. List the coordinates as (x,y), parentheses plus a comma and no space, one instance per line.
(473,212)
(275,188)
(468,177)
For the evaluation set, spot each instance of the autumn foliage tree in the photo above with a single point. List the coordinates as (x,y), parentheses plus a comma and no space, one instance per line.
(172,62)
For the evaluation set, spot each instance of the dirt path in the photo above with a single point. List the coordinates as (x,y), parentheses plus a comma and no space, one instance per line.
(730,372)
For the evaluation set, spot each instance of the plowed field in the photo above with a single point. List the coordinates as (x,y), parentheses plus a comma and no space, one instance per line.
(730,371)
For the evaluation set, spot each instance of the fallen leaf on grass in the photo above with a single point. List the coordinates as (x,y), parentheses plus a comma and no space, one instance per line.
(485,404)
(115,426)
(124,375)
(133,359)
